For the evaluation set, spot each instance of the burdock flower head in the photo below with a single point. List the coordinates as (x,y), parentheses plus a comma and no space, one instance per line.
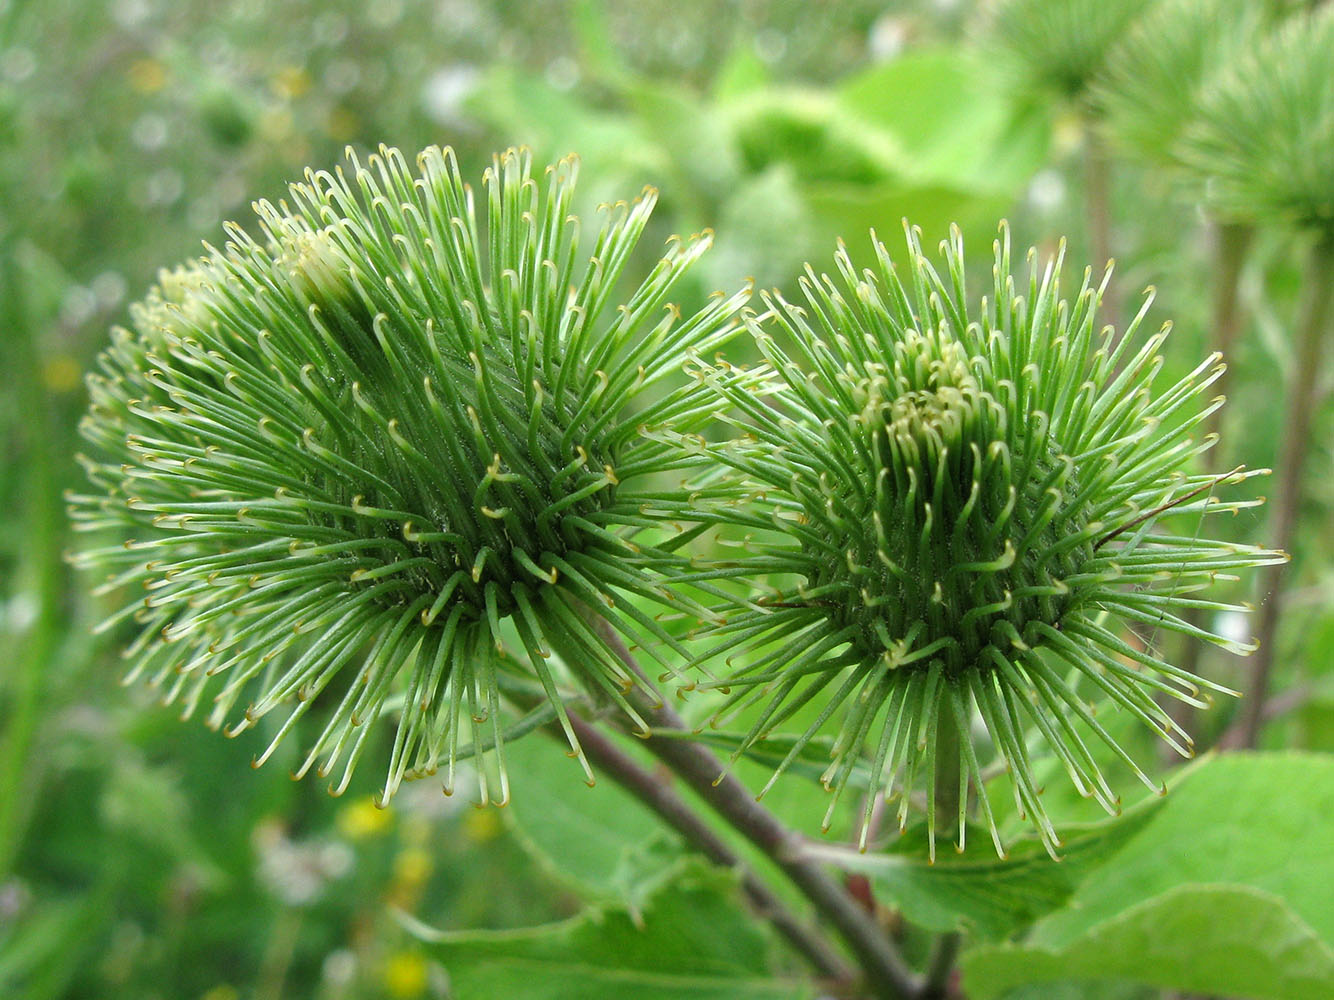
(1156,72)
(1058,46)
(357,457)
(970,508)
(1263,140)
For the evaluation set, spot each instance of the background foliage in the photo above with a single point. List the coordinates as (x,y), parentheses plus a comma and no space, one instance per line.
(141,858)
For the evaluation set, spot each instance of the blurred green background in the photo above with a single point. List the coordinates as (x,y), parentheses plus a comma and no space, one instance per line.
(140,857)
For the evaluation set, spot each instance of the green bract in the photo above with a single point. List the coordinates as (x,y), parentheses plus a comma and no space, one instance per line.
(358,454)
(969,507)
(1264,138)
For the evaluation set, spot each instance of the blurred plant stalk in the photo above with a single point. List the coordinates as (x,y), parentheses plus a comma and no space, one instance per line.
(1231,246)
(1098,211)
(1312,331)
(40,579)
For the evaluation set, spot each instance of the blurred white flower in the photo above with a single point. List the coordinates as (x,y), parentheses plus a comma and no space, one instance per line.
(445,92)
(297,871)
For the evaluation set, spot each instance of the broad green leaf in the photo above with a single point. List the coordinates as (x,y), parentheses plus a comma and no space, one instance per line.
(691,941)
(600,839)
(524,109)
(1083,989)
(741,72)
(1225,889)
(989,897)
(807,130)
(1228,940)
(847,212)
(944,109)
(701,165)
(1259,820)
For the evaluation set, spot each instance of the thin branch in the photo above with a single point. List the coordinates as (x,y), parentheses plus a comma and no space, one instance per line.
(887,975)
(1164,507)
(658,796)
(940,966)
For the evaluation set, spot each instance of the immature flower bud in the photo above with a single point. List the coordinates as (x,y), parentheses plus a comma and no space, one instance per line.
(1263,140)
(967,505)
(1157,71)
(360,456)
(1058,45)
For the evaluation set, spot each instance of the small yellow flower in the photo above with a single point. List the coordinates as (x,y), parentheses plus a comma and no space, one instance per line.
(61,374)
(363,819)
(276,124)
(412,867)
(481,825)
(342,124)
(290,82)
(147,76)
(405,975)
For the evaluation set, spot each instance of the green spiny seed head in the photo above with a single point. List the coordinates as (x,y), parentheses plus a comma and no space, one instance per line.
(358,456)
(970,504)
(1058,46)
(1263,142)
(1155,73)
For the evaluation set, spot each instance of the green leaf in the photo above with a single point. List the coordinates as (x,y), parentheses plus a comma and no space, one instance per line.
(1083,989)
(147,804)
(809,131)
(1225,889)
(1213,939)
(692,941)
(991,897)
(1259,820)
(524,109)
(741,72)
(847,211)
(942,106)
(41,953)
(599,840)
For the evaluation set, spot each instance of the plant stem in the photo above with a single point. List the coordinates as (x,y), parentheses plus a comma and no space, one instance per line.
(940,966)
(1317,293)
(946,799)
(946,793)
(278,954)
(1232,242)
(1098,213)
(40,577)
(887,975)
(658,796)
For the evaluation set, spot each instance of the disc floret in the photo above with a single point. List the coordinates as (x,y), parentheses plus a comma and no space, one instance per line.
(967,504)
